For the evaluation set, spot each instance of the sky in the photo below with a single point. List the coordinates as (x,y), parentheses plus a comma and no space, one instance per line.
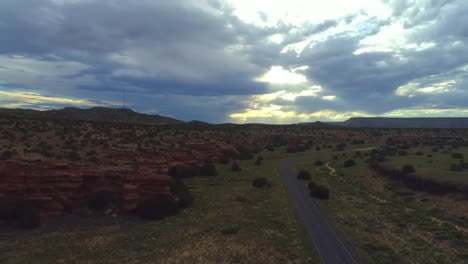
(238,61)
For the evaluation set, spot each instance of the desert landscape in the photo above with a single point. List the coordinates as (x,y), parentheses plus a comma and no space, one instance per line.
(146,192)
(234,132)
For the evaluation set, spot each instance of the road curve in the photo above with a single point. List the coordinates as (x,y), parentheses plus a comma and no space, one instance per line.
(331,169)
(329,247)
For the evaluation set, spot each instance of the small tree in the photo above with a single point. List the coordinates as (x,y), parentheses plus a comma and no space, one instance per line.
(318,163)
(318,191)
(456,167)
(22,212)
(157,207)
(235,166)
(261,182)
(402,152)
(6,155)
(180,190)
(407,169)
(101,200)
(303,175)
(258,162)
(349,163)
(208,169)
(183,171)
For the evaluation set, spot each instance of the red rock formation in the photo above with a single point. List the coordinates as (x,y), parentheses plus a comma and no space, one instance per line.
(56,188)
(135,175)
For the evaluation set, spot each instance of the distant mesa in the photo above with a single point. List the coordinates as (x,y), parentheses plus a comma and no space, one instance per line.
(97,114)
(418,122)
(319,124)
(396,122)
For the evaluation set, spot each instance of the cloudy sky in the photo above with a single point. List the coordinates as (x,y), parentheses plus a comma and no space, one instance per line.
(238,61)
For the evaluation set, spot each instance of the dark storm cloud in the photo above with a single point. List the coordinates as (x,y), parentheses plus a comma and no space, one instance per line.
(149,43)
(196,59)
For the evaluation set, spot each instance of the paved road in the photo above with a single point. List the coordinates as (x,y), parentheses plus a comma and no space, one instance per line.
(329,246)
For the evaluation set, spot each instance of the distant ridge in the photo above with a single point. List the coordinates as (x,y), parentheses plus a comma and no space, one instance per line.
(319,124)
(416,122)
(97,114)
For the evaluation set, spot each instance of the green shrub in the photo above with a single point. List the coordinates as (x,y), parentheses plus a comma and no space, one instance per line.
(319,163)
(457,155)
(349,163)
(101,200)
(340,147)
(456,167)
(179,189)
(402,152)
(318,191)
(419,153)
(6,155)
(358,141)
(224,159)
(261,182)
(230,230)
(258,162)
(93,159)
(270,148)
(303,175)
(407,169)
(22,212)
(183,171)
(72,155)
(27,215)
(235,166)
(157,208)
(244,153)
(208,169)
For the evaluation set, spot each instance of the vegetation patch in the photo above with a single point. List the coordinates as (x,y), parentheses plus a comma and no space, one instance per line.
(303,175)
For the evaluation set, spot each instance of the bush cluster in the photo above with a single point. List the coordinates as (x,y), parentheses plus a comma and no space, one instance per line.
(456,167)
(319,163)
(303,175)
(407,169)
(24,213)
(183,171)
(157,208)
(318,191)
(180,190)
(101,200)
(208,169)
(235,166)
(349,163)
(261,182)
(259,160)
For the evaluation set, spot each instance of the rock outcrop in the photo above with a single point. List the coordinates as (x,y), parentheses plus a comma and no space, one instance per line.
(138,175)
(61,187)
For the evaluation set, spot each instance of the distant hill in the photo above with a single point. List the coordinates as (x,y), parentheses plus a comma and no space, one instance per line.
(98,114)
(319,124)
(396,122)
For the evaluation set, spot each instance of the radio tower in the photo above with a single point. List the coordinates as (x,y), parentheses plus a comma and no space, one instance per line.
(123,104)
(123,97)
